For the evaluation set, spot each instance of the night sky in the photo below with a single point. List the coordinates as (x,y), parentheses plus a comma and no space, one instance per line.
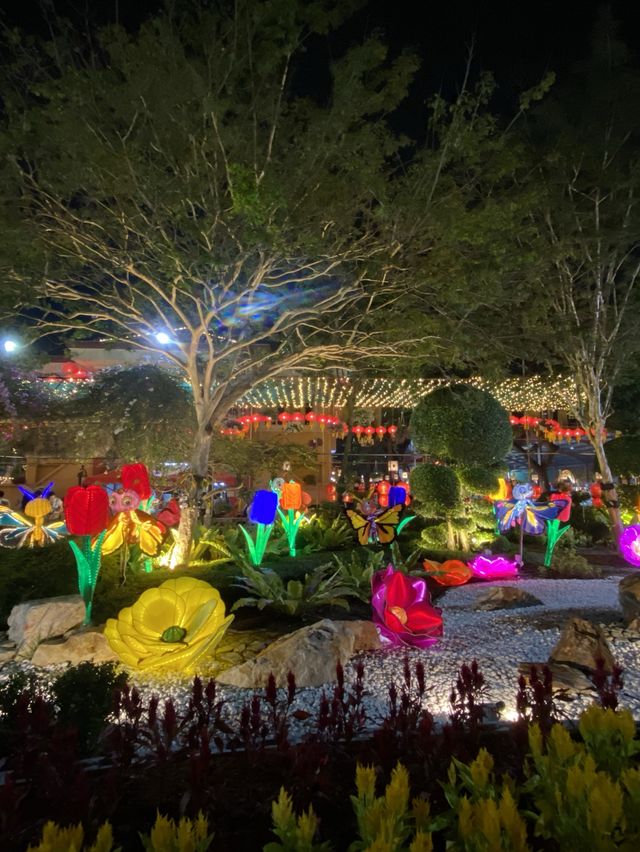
(519,40)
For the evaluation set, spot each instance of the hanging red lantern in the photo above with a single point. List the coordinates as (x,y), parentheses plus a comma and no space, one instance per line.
(284,417)
(310,416)
(297,417)
(322,420)
(369,431)
(382,490)
(381,431)
(357,430)
(331,492)
(392,430)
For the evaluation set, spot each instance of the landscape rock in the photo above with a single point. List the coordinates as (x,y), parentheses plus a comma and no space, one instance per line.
(629,597)
(33,622)
(7,652)
(632,630)
(311,653)
(581,644)
(505,597)
(563,678)
(85,646)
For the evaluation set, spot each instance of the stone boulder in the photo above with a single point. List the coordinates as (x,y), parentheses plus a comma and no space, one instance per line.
(505,597)
(629,597)
(33,622)
(311,653)
(564,679)
(86,646)
(581,644)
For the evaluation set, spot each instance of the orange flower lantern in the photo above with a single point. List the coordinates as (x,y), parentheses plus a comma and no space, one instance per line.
(453,572)
(291,496)
(331,492)
(382,489)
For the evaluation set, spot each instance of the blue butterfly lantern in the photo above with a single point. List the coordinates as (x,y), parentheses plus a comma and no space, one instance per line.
(526,513)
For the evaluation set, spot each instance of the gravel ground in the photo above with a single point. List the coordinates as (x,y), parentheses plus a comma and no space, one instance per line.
(499,640)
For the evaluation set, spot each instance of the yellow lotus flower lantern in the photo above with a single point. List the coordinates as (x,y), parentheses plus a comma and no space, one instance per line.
(171,627)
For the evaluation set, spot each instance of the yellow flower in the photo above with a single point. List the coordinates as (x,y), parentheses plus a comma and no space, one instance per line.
(397,793)
(480,769)
(422,842)
(170,627)
(366,782)
(58,839)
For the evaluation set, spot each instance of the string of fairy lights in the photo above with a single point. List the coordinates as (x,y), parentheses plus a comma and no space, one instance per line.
(333,393)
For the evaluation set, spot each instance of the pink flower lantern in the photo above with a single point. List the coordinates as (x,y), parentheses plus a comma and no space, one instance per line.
(630,545)
(402,610)
(494,568)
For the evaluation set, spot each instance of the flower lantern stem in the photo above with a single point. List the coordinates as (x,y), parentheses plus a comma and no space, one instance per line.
(554,534)
(88,560)
(257,548)
(291,524)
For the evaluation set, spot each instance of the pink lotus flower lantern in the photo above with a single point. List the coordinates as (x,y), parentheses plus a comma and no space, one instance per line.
(402,610)
(494,568)
(630,545)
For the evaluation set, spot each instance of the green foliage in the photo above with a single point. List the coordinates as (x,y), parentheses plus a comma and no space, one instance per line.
(322,587)
(623,455)
(479,480)
(437,490)
(84,696)
(567,563)
(462,424)
(209,546)
(356,571)
(435,535)
(322,533)
(39,572)
(592,524)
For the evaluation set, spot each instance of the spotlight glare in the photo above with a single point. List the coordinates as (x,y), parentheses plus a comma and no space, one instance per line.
(10,346)
(163,338)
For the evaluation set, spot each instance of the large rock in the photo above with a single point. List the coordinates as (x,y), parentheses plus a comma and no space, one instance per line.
(311,653)
(36,621)
(629,597)
(581,644)
(564,679)
(505,597)
(86,646)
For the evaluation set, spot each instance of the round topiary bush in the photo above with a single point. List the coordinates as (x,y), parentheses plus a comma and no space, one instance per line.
(464,424)
(437,488)
(479,480)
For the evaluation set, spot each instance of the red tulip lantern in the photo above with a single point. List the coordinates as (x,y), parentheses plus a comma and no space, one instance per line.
(86,510)
(135,477)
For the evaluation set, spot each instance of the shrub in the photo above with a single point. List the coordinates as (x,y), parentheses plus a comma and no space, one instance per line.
(479,480)
(437,490)
(463,424)
(39,572)
(623,455)
(567,563)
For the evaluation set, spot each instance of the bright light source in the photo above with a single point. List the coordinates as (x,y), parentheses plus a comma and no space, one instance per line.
(163,338)
(10,346)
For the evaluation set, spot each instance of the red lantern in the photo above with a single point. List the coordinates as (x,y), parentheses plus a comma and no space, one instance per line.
(357,430)
(310,416)
(135,477)
(392,430)
(382,489)
(331,492)
(298,417)
(256,418)
(86,510)
(381,431)
(369,431)
(284,417)
(322,420)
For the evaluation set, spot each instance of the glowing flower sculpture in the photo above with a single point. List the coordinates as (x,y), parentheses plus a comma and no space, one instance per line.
(630,545)
(86,512)
(261,512)
(494,568)
(402,610)
(29,528)
(170,627)
(290,499)
(453,572)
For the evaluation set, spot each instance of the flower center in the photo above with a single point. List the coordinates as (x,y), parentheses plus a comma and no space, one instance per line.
(399,613)
(173,634)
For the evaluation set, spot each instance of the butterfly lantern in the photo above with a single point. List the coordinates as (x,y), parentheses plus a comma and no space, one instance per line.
(29,528)
(521,510)
(130,524)
(373,524)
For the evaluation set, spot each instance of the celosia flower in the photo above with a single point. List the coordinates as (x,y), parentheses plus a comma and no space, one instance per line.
(629,544)
(263,507)
(86,510)
(402,609)
(170,627)
(494,568)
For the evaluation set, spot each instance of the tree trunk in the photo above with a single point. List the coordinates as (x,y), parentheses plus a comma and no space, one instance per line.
(610,495)
(344,482)
(189,513)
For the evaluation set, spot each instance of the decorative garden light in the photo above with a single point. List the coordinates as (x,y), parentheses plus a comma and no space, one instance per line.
(494,568)
(452,572)
(261,512)
(402,610)
(29,529)
(381,431)
(392,430)
(86,512)
(290,498)
(630,545)
(524,512)
(554,531)
(170,627)
(397,495)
